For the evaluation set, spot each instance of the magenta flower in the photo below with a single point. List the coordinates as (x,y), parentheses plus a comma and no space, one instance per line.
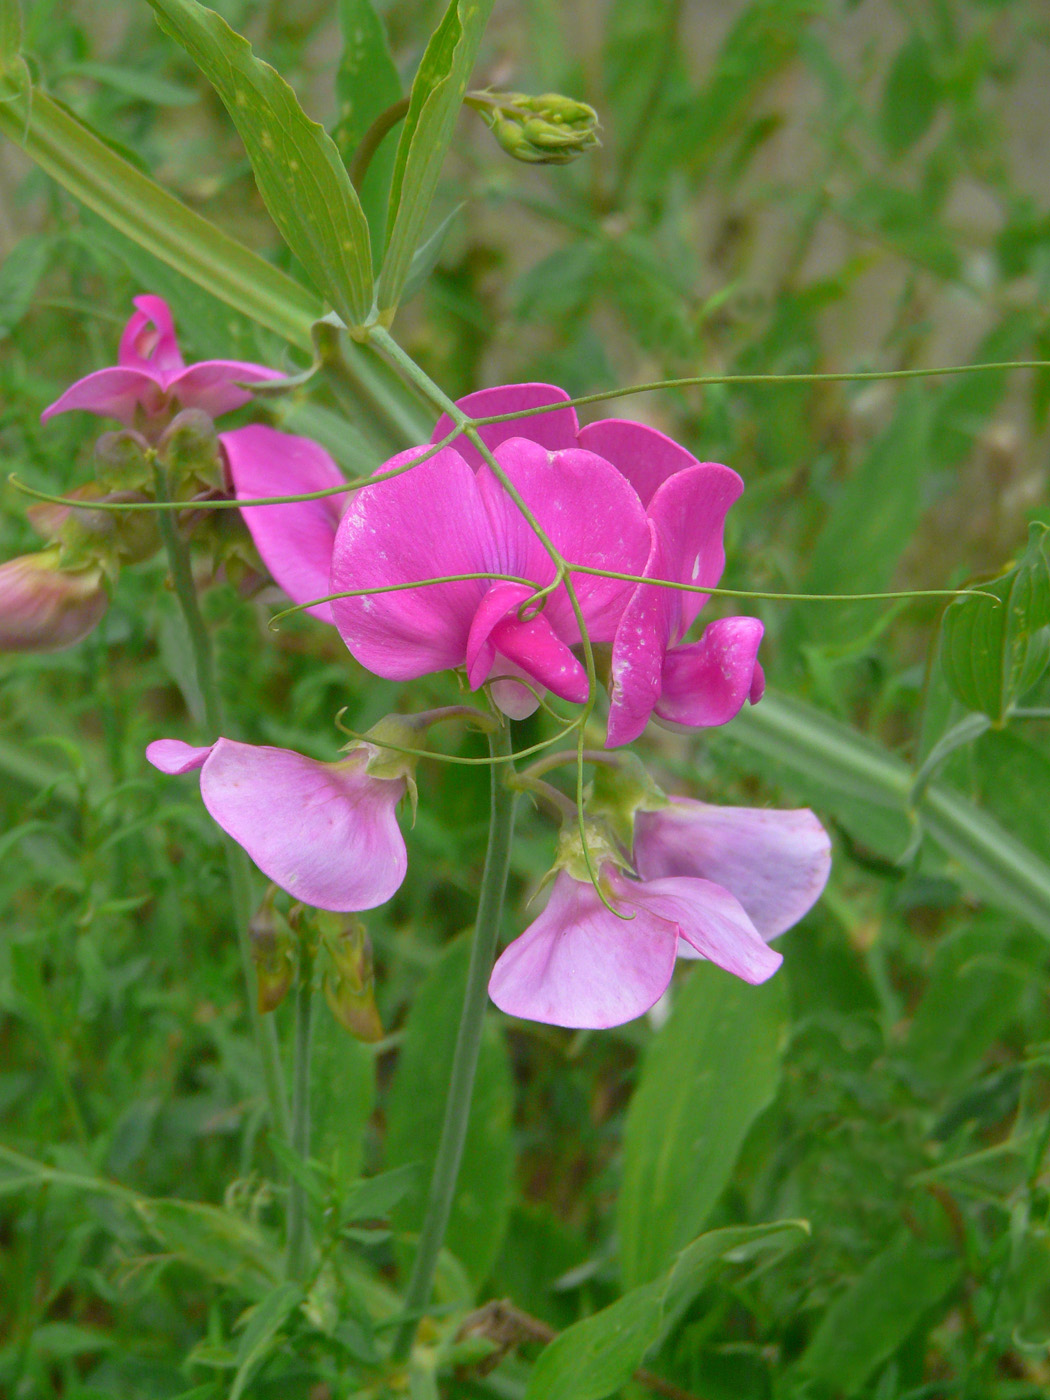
(449,515)
(45,608)
(702,683)
(295,540)
(580,965)
(151,378)
(325,832)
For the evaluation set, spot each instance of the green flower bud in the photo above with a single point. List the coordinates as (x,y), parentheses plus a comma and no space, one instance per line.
(44,606)
(349,983)
(546,130)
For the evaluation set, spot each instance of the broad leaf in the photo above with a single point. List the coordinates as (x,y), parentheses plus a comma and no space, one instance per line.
(437,95)
(416,1106)
(993,652)
(260,1335)
(594,1357)
(708,1073)
(297,166)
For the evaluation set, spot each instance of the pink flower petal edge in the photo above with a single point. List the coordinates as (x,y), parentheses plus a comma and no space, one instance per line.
(776,862)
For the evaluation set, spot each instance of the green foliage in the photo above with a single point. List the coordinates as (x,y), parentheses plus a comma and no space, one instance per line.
(300,175)
(782,187)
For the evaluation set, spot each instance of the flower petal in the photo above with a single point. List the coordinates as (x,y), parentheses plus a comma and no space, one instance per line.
(428,523)
(579,965)
(172,756)
(111,393)
(533,647)
(552,430)
(213,385)
(325,832)
(296,541)
(645,456)
(149,342)
(711,921)
(775,862)
(706,682)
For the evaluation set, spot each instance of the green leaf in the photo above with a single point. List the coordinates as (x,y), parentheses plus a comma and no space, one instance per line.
(910,97)
(297,167)
(706,1076)
(260,1335)
(869,1321)
(151,217)
(10,33)
(437,95)
(993,652)
(224,1247)
(366,84)
(598,1355)
(343,1093)
(424,259)
(416,1107)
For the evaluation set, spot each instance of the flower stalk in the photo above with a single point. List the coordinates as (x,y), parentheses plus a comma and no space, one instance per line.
(298,1239)
(236,862)
(468,1044)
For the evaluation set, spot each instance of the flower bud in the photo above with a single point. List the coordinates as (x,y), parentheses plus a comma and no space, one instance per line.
(273,952)
(189,453)
(44,607)
(349,984)
(549,129)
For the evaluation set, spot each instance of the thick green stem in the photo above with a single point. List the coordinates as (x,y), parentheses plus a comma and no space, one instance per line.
(468,1043)
(236,861)
(298,1244)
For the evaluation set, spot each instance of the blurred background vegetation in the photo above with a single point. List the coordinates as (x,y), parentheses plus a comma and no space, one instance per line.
(783,186)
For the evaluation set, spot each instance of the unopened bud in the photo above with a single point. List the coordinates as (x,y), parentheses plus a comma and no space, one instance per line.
(349,983)
(189,453)
(44,607)
(273,952)
(546,130)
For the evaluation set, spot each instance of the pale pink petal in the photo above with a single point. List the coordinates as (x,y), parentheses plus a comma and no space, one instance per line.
(45,608)
(172,756)
(552,430)
(429,522)
(645,456)
(579,965)
(213,385)
(706,682)
(111,393)
(325,832)
(295,541)
(711,922)
(149,342)
(591,516)
(775,862)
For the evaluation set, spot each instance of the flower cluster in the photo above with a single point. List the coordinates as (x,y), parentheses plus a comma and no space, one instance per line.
(516,556)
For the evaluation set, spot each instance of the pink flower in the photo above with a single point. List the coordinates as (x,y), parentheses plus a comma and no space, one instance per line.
(580,965)
(45,608)
(325,832)
(716,883)
(151,379)
(702,683)
(295,540)
(450,515)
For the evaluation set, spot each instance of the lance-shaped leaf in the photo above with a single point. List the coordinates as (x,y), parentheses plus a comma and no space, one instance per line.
(140,209)
(297,166)
(437,94)
(993,652)
(366,83)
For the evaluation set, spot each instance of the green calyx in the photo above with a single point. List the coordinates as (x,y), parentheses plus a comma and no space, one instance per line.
(618,792)
(601,847)
(349,980)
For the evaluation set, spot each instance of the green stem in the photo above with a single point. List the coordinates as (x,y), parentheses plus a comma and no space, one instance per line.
(373,138)
(468,1043)
(236,861)
(298,1244)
